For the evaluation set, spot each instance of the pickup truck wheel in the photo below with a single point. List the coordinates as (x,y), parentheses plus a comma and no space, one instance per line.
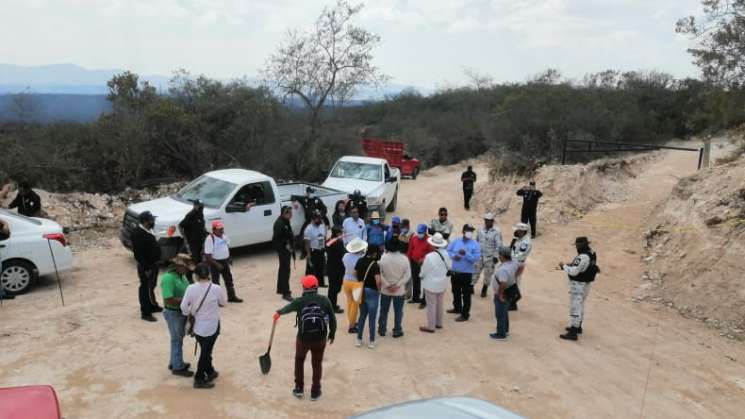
(415,173)
(394,202)
(17,276)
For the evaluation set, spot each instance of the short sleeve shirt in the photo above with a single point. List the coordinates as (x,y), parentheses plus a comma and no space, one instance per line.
(316,236)
(218,247)
(173,285)
(362,267)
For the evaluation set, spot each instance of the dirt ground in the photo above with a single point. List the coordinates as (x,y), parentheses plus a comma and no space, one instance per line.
(634,359)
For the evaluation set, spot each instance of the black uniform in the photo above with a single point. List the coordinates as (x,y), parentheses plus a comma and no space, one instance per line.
(311,204)
(195,233)
(147,254)
(468,178)
(283,242)
(359,202)
(28,204)
(335,268)
(530,207)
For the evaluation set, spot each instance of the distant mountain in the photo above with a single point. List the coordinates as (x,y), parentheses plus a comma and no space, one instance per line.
(62,79)
(68,92)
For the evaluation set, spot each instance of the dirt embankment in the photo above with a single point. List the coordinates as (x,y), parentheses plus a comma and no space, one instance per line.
(696,249)
(87,216)
(569,192)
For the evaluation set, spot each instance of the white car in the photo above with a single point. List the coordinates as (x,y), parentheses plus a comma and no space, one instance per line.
(375,178)
(35,244)
(455,407)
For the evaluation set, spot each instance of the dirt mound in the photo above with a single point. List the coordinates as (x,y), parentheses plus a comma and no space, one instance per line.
(81,211)
(695,246)
(569,191)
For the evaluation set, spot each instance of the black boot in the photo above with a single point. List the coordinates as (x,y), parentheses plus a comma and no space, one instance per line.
(579,329)
(571,334)
(483,291)
(232,298)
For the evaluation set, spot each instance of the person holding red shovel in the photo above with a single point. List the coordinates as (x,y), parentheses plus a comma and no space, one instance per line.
(316,322)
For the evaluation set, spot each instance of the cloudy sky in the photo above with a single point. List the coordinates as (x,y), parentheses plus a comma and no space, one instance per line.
(426,43)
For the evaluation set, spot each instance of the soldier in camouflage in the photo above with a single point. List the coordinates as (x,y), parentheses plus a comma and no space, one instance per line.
(489,238)
(581,272)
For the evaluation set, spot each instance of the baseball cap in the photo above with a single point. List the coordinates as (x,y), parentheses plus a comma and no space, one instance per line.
(217,224)
(469,227)
(421,228)
(309,282)
(396,220)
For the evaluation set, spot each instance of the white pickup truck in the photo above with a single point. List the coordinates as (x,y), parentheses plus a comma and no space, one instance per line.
(225,194)
(375,178)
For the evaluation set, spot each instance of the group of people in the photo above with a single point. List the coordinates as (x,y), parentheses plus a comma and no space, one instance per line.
(374,265)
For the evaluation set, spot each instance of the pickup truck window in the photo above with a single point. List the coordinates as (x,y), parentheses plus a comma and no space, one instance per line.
(213,192)
(362,171)
(259,193)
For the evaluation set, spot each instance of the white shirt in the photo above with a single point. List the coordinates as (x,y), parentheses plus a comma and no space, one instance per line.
(354,229)
(434,271)
(316,236)
(208,317)
(218,247)
(395,269)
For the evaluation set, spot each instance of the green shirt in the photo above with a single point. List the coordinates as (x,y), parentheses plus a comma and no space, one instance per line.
(173,285)
(312,297)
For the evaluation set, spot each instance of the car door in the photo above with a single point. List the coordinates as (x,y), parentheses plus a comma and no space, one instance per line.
(254,225)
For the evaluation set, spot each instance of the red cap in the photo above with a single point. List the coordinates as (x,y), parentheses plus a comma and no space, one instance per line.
(217,224)
(310,281)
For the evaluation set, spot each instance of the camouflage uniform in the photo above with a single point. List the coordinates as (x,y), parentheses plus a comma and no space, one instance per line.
(489,241)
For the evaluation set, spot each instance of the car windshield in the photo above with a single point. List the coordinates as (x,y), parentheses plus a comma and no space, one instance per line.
(362,171)
(213,192)
(17,216)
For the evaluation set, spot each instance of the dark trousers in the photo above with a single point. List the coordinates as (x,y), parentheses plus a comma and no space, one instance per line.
(467,195)
(316,348)
(318,269)
(204,366)
(227,276)
(336,278)
(502,314)
(283,274)
(462,290)
(416,290)
(529,216)
(148,279)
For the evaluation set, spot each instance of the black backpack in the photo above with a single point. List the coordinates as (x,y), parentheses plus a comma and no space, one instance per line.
(592,271)
(311,322)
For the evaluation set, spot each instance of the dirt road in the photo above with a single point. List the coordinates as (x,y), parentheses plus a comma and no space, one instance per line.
(105,362)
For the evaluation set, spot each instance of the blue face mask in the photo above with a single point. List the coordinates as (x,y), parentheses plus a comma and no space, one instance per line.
(376,222)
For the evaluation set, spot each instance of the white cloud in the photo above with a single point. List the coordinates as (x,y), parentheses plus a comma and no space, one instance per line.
(424,41)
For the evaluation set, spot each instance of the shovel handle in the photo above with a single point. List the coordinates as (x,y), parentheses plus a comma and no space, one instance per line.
(271,337)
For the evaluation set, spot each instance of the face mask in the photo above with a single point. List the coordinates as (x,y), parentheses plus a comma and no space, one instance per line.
(469,235)
(420,235)
(376,222)
(404,230)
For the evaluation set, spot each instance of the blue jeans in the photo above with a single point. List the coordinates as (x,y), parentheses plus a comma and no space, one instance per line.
(368,308)
(176,327)
(501,312)
(398,312)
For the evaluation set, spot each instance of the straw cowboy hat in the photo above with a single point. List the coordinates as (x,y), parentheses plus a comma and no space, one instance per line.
(437,241)
(184,261)
(357,245)
(375,215)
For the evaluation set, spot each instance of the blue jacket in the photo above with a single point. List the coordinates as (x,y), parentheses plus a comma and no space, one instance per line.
(376,234)
(466,263)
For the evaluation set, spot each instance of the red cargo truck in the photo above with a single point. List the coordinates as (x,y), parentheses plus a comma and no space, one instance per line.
(394,152)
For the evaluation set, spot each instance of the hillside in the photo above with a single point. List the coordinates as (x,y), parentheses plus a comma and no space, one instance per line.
(695,247)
